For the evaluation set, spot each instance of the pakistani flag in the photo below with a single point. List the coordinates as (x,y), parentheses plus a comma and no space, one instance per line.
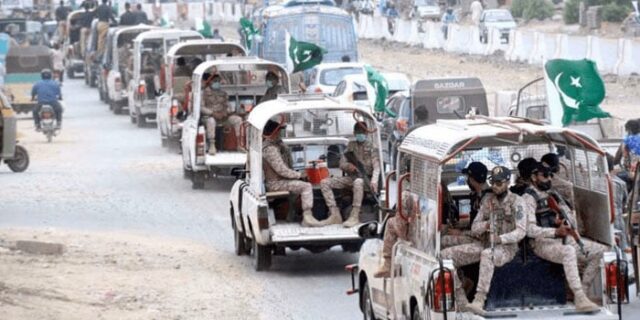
(164,21)
(204,28)
(381,88)
(575,87)
(302,55)
(248,30)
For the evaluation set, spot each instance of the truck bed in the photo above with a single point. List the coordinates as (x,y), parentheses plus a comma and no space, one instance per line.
(293,232)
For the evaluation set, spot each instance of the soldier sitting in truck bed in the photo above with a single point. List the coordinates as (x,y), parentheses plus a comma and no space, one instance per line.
(215,110)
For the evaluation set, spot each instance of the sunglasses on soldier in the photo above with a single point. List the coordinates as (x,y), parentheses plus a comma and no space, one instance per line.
(497,183)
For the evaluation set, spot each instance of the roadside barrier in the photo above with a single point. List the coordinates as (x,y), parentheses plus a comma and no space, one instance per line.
(523,46)
(218,12)
(572,47)
(544,48)
(630,58)
(605,53)
(228,12)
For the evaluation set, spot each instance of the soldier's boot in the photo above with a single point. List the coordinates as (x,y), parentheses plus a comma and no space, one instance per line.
(583,304)
(212,150)
(308,220)
(385,270)
(477,306)
(354,218)
(334,217)
(461,300)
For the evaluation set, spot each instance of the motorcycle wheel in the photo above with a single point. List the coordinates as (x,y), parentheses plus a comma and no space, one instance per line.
(20,161)
(49,136)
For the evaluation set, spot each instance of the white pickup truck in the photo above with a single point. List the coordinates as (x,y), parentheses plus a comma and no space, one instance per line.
(268,222)
(171,101)
(421,285)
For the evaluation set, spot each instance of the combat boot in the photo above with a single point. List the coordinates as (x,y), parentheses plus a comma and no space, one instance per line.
(212,150)
(334,217)
(354,218)
(583,304)
(461,300)
(477,306)
(308,220)
(384,271)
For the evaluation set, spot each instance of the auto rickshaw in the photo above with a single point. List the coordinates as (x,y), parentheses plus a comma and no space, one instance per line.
(15,156)
(23,66)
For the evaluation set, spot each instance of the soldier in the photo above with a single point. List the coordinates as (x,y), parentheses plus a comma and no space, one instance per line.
(476,173)
(548,238)
(215,110)
(501,223)
(367,155)
(278,174)
(397,228)
(524,171)
(124,61)
(273,88)
(562,186)
(182,70)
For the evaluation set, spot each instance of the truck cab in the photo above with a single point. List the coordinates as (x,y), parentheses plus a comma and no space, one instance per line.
(171,101)
(421,284)
(265,221)
(243,79)
(147,81)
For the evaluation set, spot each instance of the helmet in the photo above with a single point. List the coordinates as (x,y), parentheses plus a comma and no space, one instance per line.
(46,74)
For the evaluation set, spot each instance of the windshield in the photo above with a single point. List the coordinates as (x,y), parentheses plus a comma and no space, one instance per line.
(420,3)
(331,77)
(498,16)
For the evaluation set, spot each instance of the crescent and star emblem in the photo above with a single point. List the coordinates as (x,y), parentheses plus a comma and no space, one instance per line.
(570,102)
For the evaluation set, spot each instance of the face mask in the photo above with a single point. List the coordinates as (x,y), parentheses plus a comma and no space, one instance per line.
(269,83)
(544,186)
(360,137)
(215,85)
(282,133)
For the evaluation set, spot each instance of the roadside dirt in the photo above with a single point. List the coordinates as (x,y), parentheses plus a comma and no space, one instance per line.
(120,276)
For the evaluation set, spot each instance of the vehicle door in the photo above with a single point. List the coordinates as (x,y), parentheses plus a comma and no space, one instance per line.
(254,178)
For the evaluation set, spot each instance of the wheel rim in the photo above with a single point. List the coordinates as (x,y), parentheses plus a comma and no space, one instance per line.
(368,312)
(20,161)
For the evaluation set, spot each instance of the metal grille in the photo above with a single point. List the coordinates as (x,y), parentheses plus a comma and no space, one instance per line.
(424,178)
(319,122)
(597,172)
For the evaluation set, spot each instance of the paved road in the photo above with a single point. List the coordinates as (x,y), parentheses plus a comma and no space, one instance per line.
(104,173)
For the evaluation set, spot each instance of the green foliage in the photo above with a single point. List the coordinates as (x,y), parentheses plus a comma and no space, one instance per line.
(615,12)
(571,11)
(517,8)
(537,9)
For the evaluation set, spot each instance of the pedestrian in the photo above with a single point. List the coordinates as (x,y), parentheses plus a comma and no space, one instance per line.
(367,156)
(141,16)
(61,14)
(549,237)
(447,18)
(215,110)
(476,11)
(128,18)
(501,224)
(279,176)
(85,26)
(57,57)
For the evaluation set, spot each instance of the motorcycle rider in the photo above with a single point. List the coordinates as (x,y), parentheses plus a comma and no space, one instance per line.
(47,91)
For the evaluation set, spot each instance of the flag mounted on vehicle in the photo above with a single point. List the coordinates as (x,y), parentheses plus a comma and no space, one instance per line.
(381,88)
(204,28)
(302,55)
(248,30)
(575,89)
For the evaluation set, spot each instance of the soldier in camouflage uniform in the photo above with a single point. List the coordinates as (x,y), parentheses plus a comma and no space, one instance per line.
(124,62)
(562,186)
(367,154)
(476,173)
(278,174)
(397,228)
(273,88)
(215,110)
(501,223)
(549,238)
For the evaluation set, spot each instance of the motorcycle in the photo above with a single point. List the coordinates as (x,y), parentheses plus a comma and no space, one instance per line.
(47,120)
(14,155)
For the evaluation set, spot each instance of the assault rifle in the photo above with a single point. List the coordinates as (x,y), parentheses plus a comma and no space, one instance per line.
(362,173)
(553,205)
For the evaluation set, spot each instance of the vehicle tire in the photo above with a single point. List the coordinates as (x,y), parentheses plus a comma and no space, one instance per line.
(20,161)
(133,119)
(186,173)
(164,142)
(197,180)
(367,304)
(101,95)
(141,121)
(116,107)
(49,137)
(351,247)
(71,74)
(262,256)
(93,83)
(238,238)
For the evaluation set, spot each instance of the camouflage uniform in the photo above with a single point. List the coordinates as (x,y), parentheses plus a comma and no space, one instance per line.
(279,176)
(397,228)
(620,196)
(564,188)
(567,252)
(466,236)
(214,110)
(510,223)
(272,93)
(124,55)
(367,154)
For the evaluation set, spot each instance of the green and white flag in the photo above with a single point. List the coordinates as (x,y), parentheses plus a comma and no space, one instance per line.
(248,30)
(204,28)
(302,55)
(381,88)
(164,21)
(574,91)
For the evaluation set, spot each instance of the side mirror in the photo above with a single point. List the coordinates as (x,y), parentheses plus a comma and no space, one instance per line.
(368,230)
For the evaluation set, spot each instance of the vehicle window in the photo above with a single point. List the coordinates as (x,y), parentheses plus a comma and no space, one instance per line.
(425,3)
(405,110)
(537,112)
(331,77)
(496,16)
(359,92)
(450,105)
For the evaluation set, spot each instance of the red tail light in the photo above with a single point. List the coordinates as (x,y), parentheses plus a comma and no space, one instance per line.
(402,125)
(200,144)
(614,283)
(318,90)
(173,112)
(141,89)
(443,291)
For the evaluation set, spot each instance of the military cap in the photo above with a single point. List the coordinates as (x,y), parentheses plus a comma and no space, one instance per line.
(500,173)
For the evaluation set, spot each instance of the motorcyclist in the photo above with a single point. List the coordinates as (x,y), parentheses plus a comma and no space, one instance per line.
(47,91)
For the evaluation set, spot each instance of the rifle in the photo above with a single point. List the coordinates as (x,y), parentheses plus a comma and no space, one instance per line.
(553,205)
(492,231)
(362,173)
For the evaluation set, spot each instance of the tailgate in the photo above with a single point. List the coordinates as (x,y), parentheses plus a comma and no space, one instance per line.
(295,232)
(234,159)
(550,312)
